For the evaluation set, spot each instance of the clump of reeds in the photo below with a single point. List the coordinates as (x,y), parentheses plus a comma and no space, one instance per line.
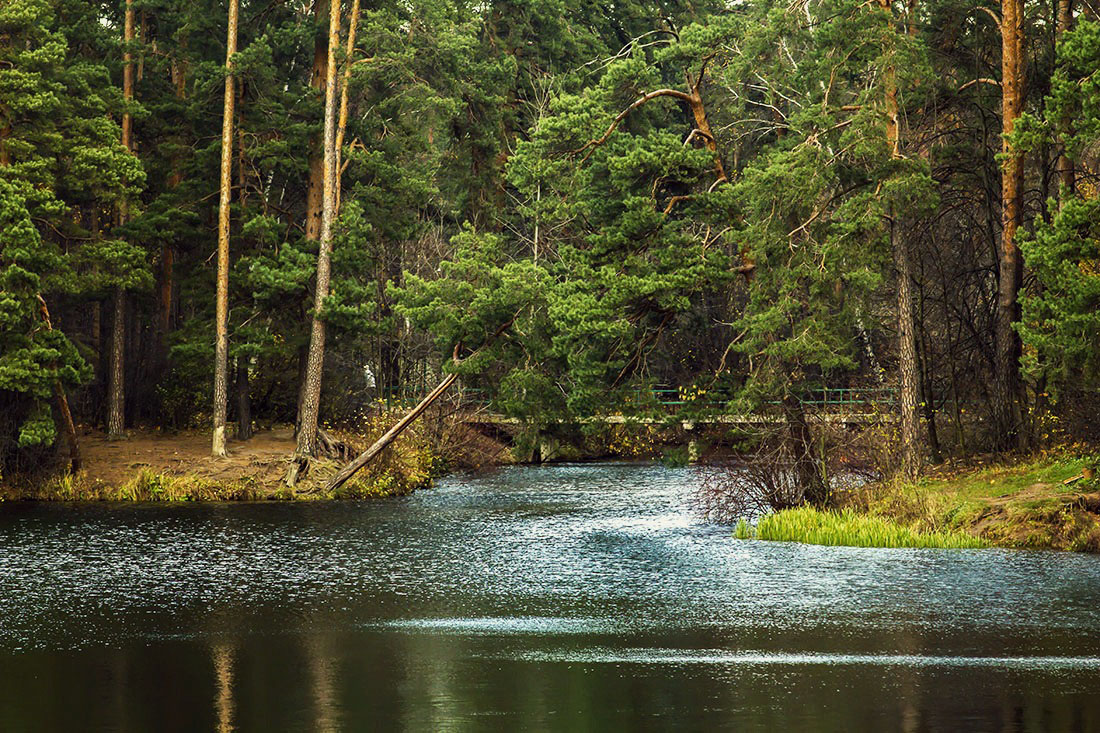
(846,527)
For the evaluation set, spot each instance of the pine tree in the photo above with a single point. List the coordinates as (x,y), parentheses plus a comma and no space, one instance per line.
(1008,415)
(1060,323)
(116,389)
(311,403)
(221,348)
(61,161)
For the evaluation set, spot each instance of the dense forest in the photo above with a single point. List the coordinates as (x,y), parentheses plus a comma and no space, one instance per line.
(251,212)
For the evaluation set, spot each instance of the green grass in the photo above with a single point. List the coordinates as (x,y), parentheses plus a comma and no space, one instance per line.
(846,527)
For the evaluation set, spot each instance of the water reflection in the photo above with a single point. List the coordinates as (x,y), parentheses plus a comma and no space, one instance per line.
(566,598)
(221,654)
(321,658)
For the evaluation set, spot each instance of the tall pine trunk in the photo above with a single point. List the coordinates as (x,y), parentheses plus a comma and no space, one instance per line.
(1066,173)
(907,359)
(315,195)
(221,344)
(116,390)
(311,402)
(907,347)
(342,125)
(1006,389)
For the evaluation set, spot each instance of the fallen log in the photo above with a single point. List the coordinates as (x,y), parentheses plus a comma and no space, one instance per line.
(379,445)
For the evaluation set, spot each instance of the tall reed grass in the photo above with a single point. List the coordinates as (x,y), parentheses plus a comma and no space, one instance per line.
(846,527)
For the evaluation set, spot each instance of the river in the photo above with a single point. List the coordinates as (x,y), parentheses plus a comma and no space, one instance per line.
(568,598)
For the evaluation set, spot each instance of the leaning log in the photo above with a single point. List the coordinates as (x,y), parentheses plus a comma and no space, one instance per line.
(379,445)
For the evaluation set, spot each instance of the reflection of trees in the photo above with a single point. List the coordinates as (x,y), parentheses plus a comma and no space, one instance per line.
(222,655)
(320,658)
(909,682)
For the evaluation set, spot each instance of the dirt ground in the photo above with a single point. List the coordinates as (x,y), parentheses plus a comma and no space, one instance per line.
(263,458)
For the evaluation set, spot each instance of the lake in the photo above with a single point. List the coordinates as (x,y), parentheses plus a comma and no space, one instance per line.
(569,597)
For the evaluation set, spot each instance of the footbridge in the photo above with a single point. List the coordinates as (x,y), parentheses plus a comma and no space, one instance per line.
(669,405)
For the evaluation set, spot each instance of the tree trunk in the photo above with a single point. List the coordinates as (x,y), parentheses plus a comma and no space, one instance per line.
(307,433)
(315,192)
(366,456)
(807,463)
(315,196)
(221,343)
(1066,174)
(116,397)
(116,390)
(67,425)
(244,400)
(702,124)
(907,347)
(928,403)
(379,445)
(907,360)
(5,154)
(1007,410)
(342,125)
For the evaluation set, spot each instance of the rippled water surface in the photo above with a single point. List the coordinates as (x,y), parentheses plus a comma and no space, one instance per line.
(576,597)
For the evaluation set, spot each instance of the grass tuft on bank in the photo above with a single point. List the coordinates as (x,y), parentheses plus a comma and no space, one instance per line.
(848,528)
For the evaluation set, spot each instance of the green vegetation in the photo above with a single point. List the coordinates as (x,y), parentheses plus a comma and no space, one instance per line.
(1021,505)
(846,527)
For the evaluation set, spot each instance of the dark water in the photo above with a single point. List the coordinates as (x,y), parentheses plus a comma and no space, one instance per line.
(570,598)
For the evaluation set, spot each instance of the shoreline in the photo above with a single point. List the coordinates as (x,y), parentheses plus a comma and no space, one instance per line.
(1039,502)
(156,467)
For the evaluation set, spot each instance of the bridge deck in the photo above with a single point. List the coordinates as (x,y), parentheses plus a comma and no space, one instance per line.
(838,418)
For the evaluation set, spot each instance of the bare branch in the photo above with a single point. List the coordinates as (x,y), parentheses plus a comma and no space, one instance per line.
(593,144)
(983,80)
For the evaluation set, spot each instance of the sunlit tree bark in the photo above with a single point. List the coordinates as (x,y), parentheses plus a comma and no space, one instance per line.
(221,344)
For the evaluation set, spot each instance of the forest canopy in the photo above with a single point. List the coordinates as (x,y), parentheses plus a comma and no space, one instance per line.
(283,211)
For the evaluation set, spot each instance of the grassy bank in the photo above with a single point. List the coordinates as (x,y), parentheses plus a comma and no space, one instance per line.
(1039,503)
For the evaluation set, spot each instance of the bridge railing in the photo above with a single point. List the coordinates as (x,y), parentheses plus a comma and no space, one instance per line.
(676,398)
(823,397)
